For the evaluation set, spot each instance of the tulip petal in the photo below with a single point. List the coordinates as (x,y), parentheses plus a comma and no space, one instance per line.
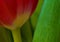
(35,2)
(24,14)
(12,6)
(14,13)
(5,15)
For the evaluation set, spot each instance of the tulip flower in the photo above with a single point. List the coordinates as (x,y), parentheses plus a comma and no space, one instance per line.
(14,13)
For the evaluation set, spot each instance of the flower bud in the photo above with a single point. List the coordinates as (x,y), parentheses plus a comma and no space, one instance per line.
(14,13)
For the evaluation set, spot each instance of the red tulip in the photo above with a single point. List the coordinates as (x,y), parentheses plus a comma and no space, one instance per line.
(14,13)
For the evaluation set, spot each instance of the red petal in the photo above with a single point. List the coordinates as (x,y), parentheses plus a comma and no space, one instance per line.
(7,14)
(19,7)
(35,2)
(27,5)
(10,9)
(12,6)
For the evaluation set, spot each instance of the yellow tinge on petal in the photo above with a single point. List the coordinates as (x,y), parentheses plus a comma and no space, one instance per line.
(20,20)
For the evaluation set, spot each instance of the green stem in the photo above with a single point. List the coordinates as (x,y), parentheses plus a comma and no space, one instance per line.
(16,35)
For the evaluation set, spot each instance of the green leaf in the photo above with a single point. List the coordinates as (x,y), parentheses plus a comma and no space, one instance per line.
(48,26)
(5,35)
(26,32)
